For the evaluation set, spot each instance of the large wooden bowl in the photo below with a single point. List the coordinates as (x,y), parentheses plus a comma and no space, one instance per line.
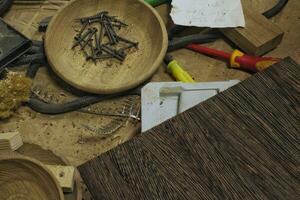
(25,178)
(145,26)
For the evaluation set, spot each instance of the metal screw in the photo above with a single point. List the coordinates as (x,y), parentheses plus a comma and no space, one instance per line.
(79,39)
(89,38)
(109,33)
(127,41)
(129,47)
(82,29)
(103,56)
(92,50)
(85,53)
(113,53)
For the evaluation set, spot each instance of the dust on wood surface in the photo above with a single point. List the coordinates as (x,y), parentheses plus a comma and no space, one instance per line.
(243,143)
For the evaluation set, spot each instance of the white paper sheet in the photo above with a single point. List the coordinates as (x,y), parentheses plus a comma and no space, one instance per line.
(208,13)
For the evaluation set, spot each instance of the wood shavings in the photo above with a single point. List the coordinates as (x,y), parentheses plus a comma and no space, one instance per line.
(14,90)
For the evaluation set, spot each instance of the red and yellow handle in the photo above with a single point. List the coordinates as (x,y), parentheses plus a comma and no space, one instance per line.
(252,63)
(237,59)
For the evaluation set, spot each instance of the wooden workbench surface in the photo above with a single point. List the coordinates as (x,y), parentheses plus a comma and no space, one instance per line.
(65,134)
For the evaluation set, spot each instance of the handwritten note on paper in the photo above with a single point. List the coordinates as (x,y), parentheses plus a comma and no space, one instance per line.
(208,13)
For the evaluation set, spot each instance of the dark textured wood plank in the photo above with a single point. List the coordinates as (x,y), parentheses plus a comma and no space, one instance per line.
(241,144)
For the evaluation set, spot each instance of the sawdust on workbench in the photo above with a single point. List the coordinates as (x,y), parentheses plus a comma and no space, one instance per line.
(64,135)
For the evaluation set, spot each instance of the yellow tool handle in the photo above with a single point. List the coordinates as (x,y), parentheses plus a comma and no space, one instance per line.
(178,73)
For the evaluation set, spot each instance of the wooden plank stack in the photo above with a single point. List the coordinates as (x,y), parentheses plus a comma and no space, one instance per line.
(241,144)
(10,141)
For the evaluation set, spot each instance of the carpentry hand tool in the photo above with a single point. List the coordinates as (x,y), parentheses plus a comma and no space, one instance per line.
(237,59)
(177,71)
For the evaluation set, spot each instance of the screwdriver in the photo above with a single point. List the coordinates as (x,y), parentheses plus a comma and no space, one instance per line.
(237,59)
(177,71)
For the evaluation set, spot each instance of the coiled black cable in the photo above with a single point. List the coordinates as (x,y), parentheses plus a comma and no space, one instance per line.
(46,108)
(276,9)
(54,109)
(34,58)
(4,6)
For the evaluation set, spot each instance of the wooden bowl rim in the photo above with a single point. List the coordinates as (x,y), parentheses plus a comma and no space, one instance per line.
(120,88)
(39,165)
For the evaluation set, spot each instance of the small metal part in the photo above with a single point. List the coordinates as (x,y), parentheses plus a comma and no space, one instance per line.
(92,51)
(122,53)
(90,21)
(95,18)
(94,30)
(119,26)
(113,52)
(101,35)
(103,57)
(128,47)
(127,41)
(97,42)
(113,33)
(110,33)
(84,44)
(108,29)
(82,29)
(85,53)
(79,39)
(116,21)
(108,129)
(130,110)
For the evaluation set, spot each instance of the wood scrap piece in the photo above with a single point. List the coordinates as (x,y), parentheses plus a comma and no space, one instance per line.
(47,157)
(10,141)
(258,37)
(241,143)
(65,176)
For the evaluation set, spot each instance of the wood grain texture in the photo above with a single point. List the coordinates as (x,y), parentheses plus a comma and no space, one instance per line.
(258,37)
(144,26)
(47,157)
(241,144)
(26,178)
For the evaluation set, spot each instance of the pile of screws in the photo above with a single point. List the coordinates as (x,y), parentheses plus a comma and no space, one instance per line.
(104,43)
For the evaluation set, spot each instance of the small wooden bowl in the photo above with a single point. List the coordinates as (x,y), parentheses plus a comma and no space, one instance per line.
(106,77)
(25,178)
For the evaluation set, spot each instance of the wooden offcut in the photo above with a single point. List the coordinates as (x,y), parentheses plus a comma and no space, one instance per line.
(258,37)
(10,141)
(64,175)
(241,144)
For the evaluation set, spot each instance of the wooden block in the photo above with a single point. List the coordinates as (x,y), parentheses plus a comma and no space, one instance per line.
(258,37)
(10,141)
(65,176)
